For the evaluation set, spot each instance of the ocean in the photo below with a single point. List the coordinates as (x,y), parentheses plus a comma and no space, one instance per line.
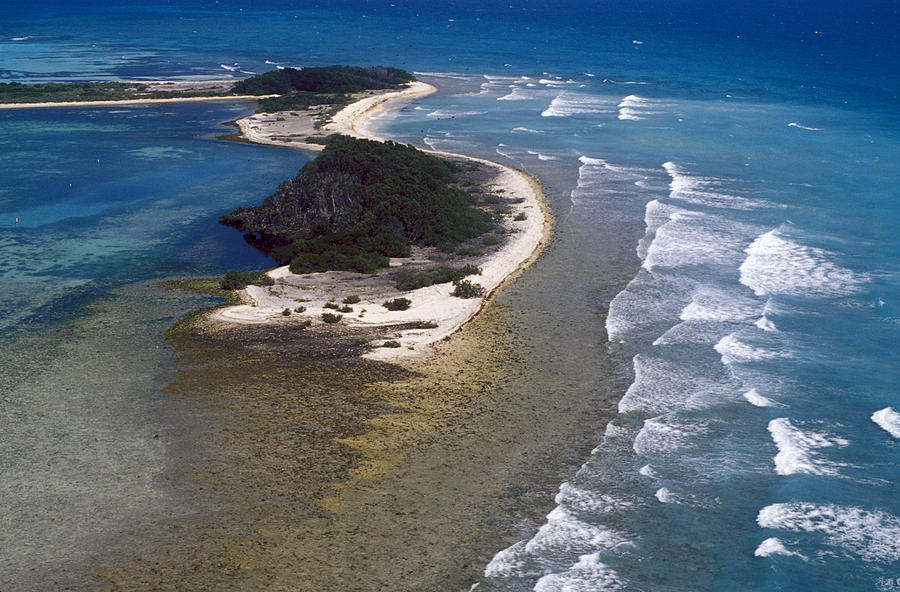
(724,180)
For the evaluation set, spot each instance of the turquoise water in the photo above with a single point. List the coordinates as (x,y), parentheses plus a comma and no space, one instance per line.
(756,448)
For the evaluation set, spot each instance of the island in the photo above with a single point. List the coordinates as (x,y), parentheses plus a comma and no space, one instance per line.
(345,417)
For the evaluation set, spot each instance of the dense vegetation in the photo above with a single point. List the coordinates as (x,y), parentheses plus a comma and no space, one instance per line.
(301,101)
(358,203)
(439,274)
(238,280)
(329,79)
(16,92)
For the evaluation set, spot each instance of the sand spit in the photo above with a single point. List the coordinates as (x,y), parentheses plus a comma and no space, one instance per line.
(525,239)
(211,86)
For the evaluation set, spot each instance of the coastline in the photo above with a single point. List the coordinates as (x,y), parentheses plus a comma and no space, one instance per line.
(432,304)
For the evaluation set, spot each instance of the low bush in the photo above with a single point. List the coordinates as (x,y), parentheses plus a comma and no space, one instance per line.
(424,325)
(238,280)
(300,309)
(331,318)
(520,216)
(346,308)
(490,240)
(351,299)
(397,304)
(433,275)
(331,305)
(391,343)
(286,312)
(466,289)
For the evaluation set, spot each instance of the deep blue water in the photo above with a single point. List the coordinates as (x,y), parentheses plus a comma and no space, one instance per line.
(757,447)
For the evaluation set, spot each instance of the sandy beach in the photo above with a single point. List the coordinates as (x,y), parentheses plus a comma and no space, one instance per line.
(524,240)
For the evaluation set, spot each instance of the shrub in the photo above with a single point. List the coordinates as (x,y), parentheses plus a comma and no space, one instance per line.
(346,308)
(466,289)
(391,343)
(300,309)
(397,304)
(306,323)
(468,251)
(424,325)
(520,216)
(331,318)
(286,312)
(351,299)
(433,275)
(490,240)
(331,305)
(238,280)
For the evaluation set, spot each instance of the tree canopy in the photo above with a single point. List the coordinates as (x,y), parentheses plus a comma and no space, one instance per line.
(328,79)
(358,203)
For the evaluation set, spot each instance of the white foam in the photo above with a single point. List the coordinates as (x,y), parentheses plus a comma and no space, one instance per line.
(564,533)
(874,536)
(25,38)
(696,238)
(587,575)
(735,351)
(541,156)
(797,449)
(647,471)
(635,108)
(664,436)
(526,130)
(233,68)
(661,386)
(709,304)
(754,398)
(774,546)
(582,500)
(889,420)
(766,324)
(519,93)
(568,103)
(702,190)
(803,127)
(663,495)
(777,265)
(506,563)
(452,114)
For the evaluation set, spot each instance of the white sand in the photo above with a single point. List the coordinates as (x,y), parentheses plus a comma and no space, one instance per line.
(432,303)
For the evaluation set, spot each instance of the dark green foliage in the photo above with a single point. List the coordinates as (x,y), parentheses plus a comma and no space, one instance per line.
(300,101)
(466,289)
(346,308)
(397,304)
(286,312)
(300,309)
(354,299)
(16,92)
(391,343)
(330,79)
(356,204)
(433,275)
(424,325)
(331,305)
(331,318)
(521,216)
(238,280)
(490,240)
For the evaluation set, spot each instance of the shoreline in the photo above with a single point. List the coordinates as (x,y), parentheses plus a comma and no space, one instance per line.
(526,240)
